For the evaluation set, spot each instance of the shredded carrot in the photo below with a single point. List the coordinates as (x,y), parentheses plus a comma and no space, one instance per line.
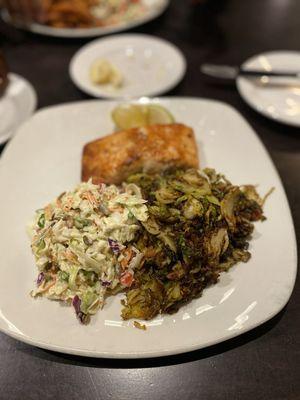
(48,286)
(67,206)
(126,279)
(90,197)
(128,255)
(116,209)
(70,255)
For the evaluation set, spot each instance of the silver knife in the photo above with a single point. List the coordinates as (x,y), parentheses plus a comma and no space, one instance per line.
(232,72)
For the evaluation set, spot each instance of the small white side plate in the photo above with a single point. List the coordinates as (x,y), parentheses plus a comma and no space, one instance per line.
(245,297)
(16,105)
(150,65)
(276,98)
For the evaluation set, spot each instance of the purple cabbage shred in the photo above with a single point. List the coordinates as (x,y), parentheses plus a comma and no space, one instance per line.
(114,245)
(105,283)
(76,304)
(80,315)
(40,278)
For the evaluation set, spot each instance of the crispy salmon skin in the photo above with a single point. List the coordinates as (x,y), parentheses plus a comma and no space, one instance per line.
(113,158)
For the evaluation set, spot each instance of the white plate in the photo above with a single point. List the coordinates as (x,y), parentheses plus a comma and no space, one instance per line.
(154,9)
(245,297)
(278,98)
(150,65)
(16,105)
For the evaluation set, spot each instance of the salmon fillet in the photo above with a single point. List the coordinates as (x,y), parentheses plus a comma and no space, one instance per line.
(113,158)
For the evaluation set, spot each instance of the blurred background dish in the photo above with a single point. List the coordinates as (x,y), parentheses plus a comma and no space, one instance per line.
(145,66)
(276,98)
(3,74)
(81,18)
(17,103)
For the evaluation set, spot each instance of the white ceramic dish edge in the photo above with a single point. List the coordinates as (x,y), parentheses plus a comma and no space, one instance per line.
(32,104)
(94,92)
(92,32)
(251,103)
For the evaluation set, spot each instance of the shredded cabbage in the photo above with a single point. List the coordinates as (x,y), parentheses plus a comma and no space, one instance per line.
(72,243)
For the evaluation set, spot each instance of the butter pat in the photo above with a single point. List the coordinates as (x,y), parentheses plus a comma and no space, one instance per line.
(104,72)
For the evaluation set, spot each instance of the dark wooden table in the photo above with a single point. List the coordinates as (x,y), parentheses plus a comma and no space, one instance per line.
(261,364)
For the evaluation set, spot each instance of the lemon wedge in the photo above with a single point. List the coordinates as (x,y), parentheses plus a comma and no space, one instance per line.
(128,116)
(159,115)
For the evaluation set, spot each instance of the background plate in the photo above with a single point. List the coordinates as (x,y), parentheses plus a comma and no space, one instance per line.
(248,295)
(149,65)
(277,98)
(155,8)
(16,105)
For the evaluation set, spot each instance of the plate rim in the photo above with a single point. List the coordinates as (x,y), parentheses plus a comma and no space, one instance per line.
(252,104)
(69,33)
(174,349)
(138,36)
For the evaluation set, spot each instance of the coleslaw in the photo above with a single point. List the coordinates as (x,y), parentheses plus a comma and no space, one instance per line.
(82,243)
(113,12)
